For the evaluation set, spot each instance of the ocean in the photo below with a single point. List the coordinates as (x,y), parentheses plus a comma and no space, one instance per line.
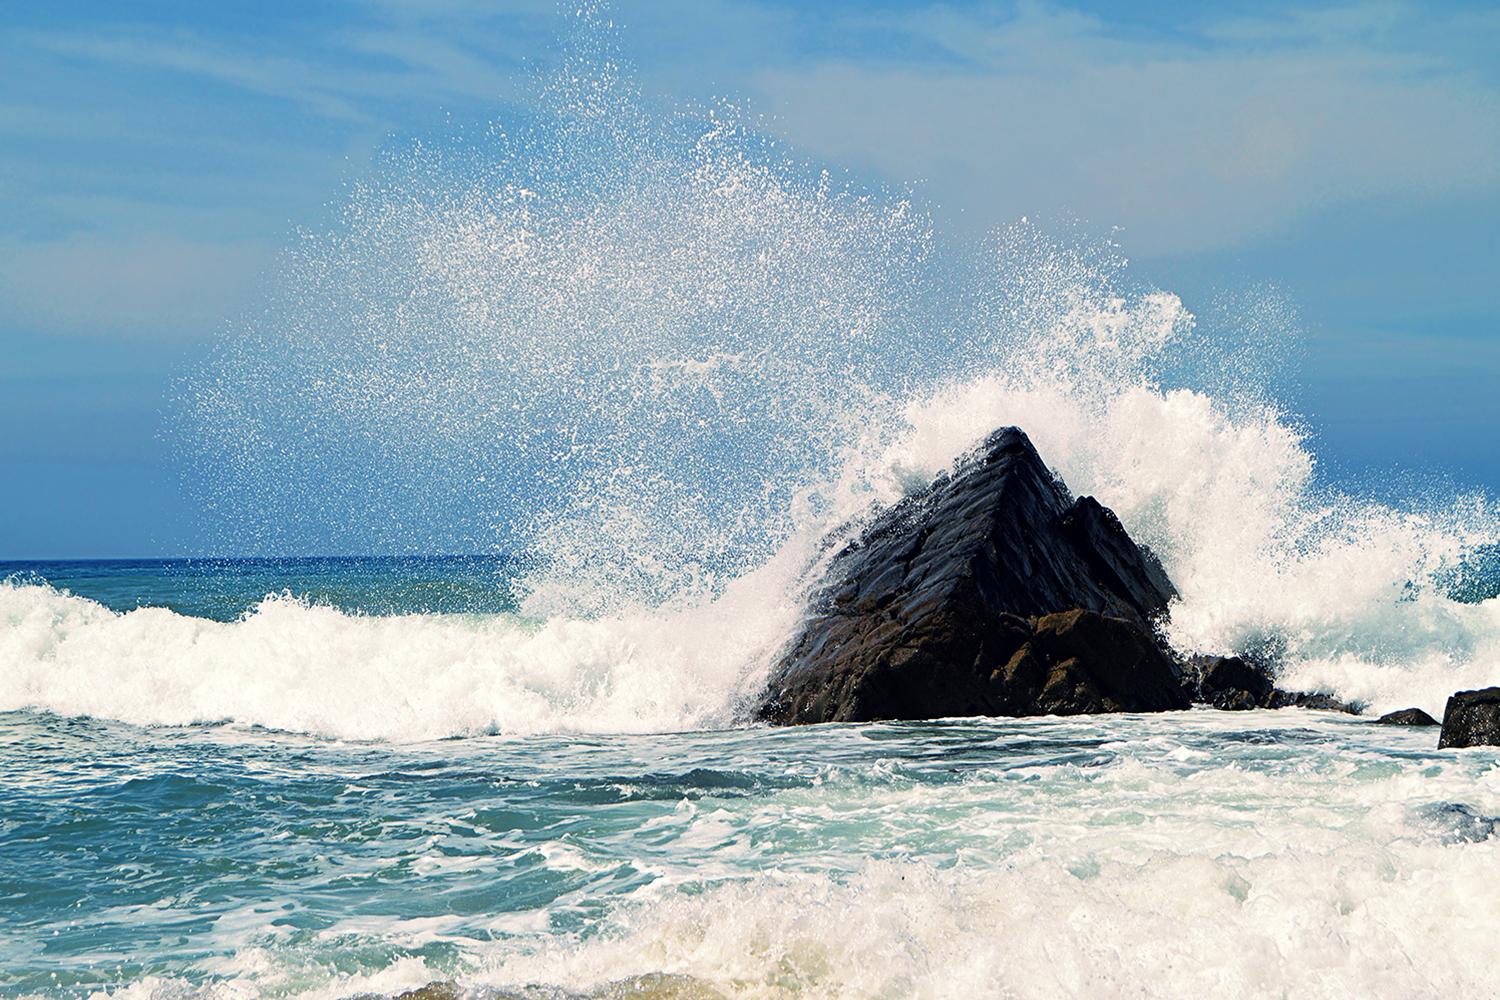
(647,367)
(329,778)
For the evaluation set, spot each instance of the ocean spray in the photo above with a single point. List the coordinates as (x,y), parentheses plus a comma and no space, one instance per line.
(657,357)
(656,360)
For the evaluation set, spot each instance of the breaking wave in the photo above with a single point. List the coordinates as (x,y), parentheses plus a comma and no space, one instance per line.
(660,357)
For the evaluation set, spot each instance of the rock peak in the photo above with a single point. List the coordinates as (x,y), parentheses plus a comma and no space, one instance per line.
(927,611)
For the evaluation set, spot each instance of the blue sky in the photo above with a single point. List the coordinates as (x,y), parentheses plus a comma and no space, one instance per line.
(154,157)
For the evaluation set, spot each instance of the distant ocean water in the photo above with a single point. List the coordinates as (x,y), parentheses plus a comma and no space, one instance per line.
(667,364)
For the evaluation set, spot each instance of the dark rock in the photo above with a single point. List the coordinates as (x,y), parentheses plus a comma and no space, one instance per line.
(1229,682)
(1118,666)
(949,604)
(1472,719)
(1407,717)
(1318,700)
(1238,683)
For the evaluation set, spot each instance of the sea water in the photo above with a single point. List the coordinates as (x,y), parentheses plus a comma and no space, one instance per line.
(649,368)
(264,831)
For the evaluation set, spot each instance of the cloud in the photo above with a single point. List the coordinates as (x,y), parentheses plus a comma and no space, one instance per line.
(144,286)
(273,76)
(146,168)
(431,52)
(1189,145)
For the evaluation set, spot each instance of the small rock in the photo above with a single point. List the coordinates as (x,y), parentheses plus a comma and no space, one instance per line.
(1316,700)
(1407,717)
(1472,719)
(1229,682)
(1455,822)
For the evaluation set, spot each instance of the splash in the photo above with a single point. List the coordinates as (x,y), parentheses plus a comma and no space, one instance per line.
(660,357)
(298,667)
(649,329)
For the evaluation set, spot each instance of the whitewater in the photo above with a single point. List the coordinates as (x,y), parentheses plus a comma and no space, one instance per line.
(638,364)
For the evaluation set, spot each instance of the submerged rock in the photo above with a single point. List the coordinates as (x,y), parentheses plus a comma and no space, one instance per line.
(1472,719)
(1407,717)
(1455,822)
(436,990)
(989,593)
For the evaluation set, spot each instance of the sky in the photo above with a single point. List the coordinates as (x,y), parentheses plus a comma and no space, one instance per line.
(155,157)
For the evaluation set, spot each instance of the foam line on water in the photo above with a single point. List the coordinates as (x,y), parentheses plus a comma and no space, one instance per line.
(1307,925)
(291,666)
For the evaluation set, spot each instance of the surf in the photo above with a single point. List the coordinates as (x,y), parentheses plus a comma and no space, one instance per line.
(656,359)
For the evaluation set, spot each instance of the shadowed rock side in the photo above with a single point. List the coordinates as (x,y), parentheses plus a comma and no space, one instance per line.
(989,593)
(1472,719)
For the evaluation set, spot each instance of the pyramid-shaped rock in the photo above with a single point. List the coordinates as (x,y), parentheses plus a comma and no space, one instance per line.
(991,592)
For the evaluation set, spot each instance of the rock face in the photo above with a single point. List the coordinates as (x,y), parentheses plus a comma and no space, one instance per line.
(1229,682)
(1472,719)
(989,593)
(1320,700)
(436,990)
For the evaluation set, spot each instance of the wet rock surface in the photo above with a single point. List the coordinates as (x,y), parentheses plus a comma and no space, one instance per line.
(1472,719)
(1229,682)
(437,990)
(1319,700)
(1407,717)
(991,592)
(1235,683)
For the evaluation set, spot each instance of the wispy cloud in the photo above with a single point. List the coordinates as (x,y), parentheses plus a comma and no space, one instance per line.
(1192,136)
(1189,145)
(146,169)
(159,286)
(348,88)
(269,75)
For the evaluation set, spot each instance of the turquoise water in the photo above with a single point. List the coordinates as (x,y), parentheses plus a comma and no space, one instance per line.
(1249,854)
(316,801)
(226,589)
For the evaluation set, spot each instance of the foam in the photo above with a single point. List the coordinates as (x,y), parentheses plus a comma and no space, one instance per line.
(1343,594)
(1299,926)
(655,352)
(291,666)
(1301,869)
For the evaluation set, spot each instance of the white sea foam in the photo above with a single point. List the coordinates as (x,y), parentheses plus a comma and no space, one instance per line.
(1342,593)
(1299,869)
(287,665)
(1306,925)
(657,354)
